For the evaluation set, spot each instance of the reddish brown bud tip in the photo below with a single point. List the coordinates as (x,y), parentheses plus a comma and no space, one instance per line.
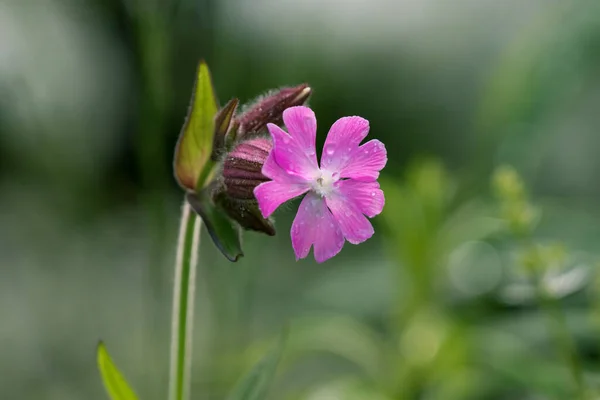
(269,109)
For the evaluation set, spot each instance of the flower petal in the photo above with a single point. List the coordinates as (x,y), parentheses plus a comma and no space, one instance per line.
(291,155)
(367,196)
(366,162)
(301,124)
(356,228)
(286,183)
(314,225)
(272,194)
(272,170)
(343,138)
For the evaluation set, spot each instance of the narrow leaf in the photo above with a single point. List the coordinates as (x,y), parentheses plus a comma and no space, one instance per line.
(114,382)
(224,233)
(194,147)
(222,122)
(255,385)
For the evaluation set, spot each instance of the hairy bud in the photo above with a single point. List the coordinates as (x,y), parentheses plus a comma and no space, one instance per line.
(241,174)
(269,109)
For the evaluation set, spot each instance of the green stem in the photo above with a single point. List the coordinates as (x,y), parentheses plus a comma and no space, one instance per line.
(182,321)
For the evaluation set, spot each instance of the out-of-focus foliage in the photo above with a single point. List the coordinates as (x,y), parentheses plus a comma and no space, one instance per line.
(476,285)
(255,385)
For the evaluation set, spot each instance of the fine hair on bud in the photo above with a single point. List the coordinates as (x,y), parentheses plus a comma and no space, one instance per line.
(269,109)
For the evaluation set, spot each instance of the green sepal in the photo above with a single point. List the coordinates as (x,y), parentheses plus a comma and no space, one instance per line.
(225,233)
(222,123)
(192,161)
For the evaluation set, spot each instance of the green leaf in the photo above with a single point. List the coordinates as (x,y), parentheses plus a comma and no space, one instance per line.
(114,382)
(255,385)
(224,233)
(192,155)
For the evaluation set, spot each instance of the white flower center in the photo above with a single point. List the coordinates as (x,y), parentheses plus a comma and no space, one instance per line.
(323,184)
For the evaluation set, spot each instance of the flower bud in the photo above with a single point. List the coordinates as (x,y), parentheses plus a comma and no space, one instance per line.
(269,109)
(241,174)
(242,168)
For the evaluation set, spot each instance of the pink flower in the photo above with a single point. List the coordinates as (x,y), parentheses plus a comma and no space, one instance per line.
(339,193)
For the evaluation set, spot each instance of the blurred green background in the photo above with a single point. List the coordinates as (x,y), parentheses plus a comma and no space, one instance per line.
(440,304)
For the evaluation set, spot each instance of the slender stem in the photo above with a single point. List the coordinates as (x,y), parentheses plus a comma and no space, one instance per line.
(182,322)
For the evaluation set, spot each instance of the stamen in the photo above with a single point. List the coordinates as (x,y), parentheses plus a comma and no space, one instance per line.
(323,185)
